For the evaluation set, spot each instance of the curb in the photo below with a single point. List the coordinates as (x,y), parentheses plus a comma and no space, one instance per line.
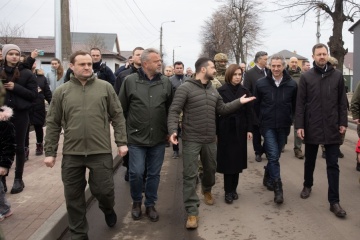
(57,223)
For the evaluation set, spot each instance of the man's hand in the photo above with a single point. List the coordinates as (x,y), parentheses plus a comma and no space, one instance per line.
(301,133)
(50,161)
(122,150)
(342,129)
(3,171)
(244,99)
(357,121)
(173,138)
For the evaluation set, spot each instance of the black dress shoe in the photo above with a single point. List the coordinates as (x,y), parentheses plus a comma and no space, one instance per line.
(111,219)
(229,198)
(305,193)
(337,210)
(258,158)
(235,196)
(136,211)
(18,186)
(152,214)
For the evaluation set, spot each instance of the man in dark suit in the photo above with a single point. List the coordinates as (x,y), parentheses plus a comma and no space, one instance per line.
(250,78)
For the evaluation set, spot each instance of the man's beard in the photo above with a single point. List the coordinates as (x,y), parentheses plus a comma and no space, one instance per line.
(208,77)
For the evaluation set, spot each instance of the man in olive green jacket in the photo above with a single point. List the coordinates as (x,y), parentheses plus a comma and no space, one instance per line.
(146,97)
(200,103)
(84,108)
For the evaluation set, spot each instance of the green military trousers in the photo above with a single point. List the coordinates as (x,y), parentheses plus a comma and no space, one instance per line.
(101,182)
(190,152)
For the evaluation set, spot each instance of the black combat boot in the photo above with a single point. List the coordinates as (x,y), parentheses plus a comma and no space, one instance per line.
(278,191)
(267,181)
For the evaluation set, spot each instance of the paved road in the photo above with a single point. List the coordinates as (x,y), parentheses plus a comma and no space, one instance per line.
(254,216)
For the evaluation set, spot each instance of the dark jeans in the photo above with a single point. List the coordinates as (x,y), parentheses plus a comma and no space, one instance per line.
(257,140)
(332,169)
(21,123)
(231,182)
(274,140)
(152,158)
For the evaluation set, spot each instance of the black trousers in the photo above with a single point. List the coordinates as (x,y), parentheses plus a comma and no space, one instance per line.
(258,148)
(21,123)
(231,182)
(39,132)
(332,169)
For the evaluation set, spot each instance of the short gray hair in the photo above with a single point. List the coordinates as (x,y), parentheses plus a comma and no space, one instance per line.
(277,57)
(145,54)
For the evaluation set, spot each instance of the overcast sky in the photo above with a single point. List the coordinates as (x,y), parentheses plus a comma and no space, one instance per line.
(137,23)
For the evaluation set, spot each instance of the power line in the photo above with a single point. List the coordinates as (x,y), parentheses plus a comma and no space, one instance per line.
(4,5)
(145,16)
(10,12)
(123,20)
(137,18)
(42,4)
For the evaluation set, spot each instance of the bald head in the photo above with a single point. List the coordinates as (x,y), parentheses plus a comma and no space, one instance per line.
(293,63)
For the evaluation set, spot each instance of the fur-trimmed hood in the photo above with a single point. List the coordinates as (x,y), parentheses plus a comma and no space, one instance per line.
(5,113)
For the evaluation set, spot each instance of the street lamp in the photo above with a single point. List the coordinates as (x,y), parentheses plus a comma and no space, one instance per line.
(161,34)
(174,54)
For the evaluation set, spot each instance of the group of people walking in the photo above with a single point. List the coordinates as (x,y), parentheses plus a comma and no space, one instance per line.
(216,111)
(24,91)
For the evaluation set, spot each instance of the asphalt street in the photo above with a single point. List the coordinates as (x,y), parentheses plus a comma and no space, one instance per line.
(254,216)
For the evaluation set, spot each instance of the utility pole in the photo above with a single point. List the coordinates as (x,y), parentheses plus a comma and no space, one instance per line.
(161,36)
(65,31)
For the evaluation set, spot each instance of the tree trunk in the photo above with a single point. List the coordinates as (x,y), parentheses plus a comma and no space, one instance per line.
(336,43)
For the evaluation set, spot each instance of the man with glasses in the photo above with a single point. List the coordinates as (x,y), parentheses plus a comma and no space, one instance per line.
(250,78)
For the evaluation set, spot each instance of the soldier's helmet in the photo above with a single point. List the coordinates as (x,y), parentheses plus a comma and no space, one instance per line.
(220,57)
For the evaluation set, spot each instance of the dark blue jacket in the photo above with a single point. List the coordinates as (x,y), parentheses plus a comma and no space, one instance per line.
(275,106)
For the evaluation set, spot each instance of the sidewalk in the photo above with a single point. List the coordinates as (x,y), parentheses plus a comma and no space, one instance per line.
(39,211)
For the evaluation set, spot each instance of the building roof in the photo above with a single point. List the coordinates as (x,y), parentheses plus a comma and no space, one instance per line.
(287,55)
(126,54)
(47,44)
(108,39)
(352,28)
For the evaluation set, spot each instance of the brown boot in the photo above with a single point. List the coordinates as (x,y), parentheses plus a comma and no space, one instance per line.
(299,154)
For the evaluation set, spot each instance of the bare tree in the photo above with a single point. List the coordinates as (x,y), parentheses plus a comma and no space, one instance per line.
(10,33)
(338,11)
(95,40)
(232,30)
(243,30)
(213,35)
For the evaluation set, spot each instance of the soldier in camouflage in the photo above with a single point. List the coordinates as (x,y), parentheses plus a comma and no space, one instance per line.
(220,60)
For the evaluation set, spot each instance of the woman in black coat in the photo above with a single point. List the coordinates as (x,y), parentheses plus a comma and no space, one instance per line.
(37,113)
(21,91)
(233,131)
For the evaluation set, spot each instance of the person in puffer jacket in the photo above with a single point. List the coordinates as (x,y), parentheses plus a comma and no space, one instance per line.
(7,153)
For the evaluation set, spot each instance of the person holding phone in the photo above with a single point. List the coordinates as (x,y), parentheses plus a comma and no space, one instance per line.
(21,91)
